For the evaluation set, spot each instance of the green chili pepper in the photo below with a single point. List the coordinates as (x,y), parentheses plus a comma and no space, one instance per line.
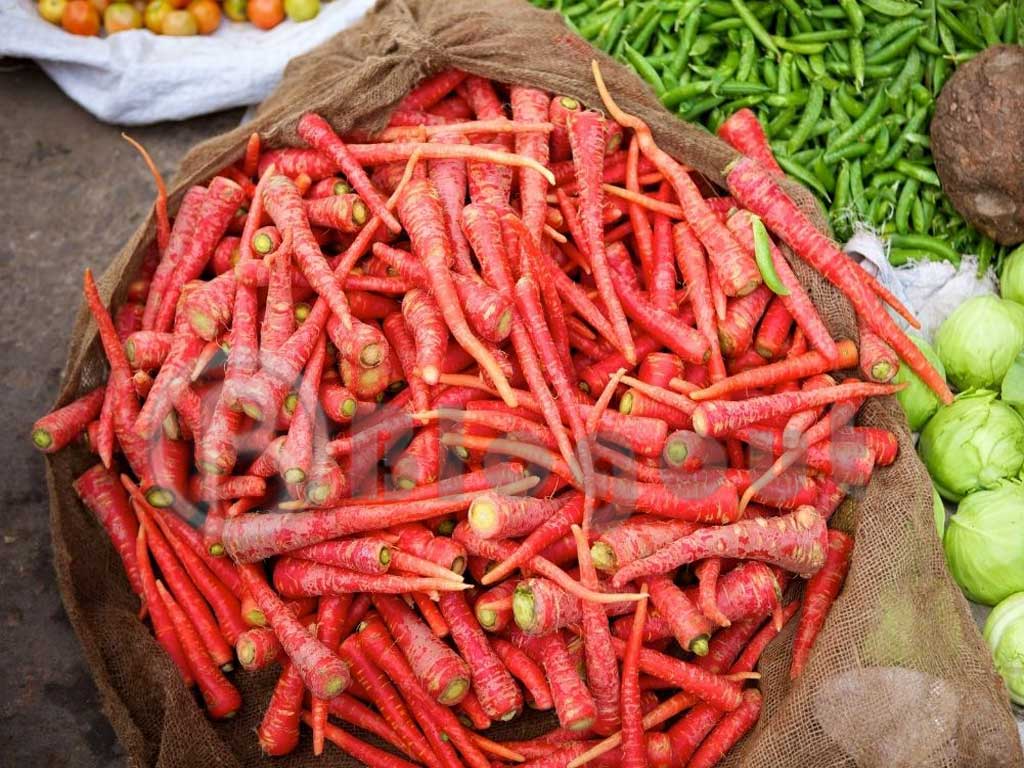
(763,258)
(755,26)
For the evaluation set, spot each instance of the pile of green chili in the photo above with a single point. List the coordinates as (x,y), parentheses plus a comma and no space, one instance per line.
(844,89)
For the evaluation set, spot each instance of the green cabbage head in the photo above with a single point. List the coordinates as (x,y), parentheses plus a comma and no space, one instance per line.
(918,400)
(1004,633)
(978,343)
(984,543)
(973,443)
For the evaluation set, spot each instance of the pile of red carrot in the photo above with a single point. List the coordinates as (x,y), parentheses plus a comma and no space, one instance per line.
(506,408)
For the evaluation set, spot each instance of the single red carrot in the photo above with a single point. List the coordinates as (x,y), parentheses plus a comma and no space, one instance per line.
(163,627)
(526,670)
(735,268)
(636,538)
(163,225)
(355,747)
(744,133)
(345,213)
(181,233)
(707,572)
(773,330)
(321,671)
(103,495)
(279,313)
(643,236)
(366,555)
(736,331)
(689,626)
(493,608)
(295,458)
(720,417)
(602,670)
(294,577)
(330,617)
(500,517)
(257,648)
(795,542)
(416,539)
(531,105)
(431,90)
(573,702)
(497,692)
(690,258)
(558,113)
(147,350)
(821,591)
(350,710)
(586,137)
(278,731)
(634,754)
(59,427)
(791,369)
(877,360)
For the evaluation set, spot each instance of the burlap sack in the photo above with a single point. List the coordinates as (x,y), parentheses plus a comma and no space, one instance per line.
(899,678)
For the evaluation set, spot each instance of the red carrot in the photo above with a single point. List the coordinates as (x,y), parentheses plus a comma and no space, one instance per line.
(531,105)
(690,258)
(499,697)
(294,577)
(383,694)
(796,542)
(295,458)
(558,113)
(350,710)
(712,688)
(278,731)
(602,670)
(690,628)
(526,670)
(731,729)
(573,702)
(634,754)
(103,495)
(416,539)
(758,192)
(321,671)
(821,591)
(279,313)
(735,269)
(330,616)
(431,90)
(643,236)
(744,133)
(877,360)
(424,320)
(773,329)
(501,517)
(736,331)
(664,327)
(707,572)
(222,699)
(663,281)
(375,640)
(493,608)
(345,213)
(163,627)
(720,417)
(366,555)
(792,369)
(224,604)
(59,427)
(147,350)
(586,137)
(449,177)
(799,304)
(636,538)
(257,648)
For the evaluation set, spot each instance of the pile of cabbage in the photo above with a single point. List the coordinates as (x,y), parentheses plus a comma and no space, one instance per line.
(974,452)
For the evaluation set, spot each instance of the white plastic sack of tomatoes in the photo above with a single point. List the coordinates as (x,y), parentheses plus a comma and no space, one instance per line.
(135,77)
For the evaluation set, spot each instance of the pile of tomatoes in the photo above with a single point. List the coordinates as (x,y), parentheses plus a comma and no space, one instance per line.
(170,17)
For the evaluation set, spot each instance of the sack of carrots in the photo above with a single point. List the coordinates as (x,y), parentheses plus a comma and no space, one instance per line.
(466,408)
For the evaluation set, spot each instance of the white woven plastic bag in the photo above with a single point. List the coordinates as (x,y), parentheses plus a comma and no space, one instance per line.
(136,77)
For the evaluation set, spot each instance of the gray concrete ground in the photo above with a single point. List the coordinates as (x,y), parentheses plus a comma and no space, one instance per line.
(71,192)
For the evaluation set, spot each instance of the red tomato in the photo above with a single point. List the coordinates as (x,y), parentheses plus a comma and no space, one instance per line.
(80,18)
(266,14)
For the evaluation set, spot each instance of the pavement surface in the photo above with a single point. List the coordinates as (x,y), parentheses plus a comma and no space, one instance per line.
(72,192)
